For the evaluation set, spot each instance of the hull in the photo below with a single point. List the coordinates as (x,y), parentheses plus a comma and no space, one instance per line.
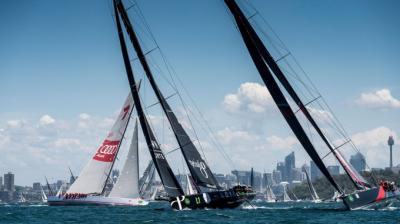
(214,200)
(95,200)
(373,198)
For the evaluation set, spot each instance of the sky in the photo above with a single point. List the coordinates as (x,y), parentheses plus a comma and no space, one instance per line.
(62,80)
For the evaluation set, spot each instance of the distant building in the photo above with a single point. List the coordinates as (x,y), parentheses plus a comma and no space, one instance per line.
(358,161)
(267,179)
(296,175)
(315,173)
(1,183)
(277,176)
(280,166)
(243,177)
(334,170)
(36,186)
(289,166)
(9,182)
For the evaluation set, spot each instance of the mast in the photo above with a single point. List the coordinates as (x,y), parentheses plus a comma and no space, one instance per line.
(48,187)
(167,177)
(252,178)
(273,88)
(198,168)
(72,175)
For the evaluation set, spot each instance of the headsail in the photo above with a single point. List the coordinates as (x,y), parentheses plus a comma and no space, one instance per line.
(311,188)
(167,177)
(127,185)
(147,180)
(249,38)
(199,169)
(93,177)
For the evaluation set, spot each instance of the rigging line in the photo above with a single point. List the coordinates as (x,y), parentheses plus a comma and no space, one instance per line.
(165,61)
(300,67)
(148,52)
(336,148)
(159,102)
(308,103)
(283,57)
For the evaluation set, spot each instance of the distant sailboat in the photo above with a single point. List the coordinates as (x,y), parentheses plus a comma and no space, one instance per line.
(269,195)
(286,197)
(43,195)
(313,193)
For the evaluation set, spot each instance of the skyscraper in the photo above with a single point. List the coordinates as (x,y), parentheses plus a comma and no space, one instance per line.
(289,166)
(277,176)
(314,171)
(9,182)
(280,166)
(358,161)
(1,183)
(334,170)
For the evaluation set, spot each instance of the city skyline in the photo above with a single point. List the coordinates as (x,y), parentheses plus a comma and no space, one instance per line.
(61,86)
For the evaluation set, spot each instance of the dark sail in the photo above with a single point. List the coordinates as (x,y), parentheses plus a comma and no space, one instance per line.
(167,177)
(48,187)
(198,168)
(252,178)
(357,179)
(250,40)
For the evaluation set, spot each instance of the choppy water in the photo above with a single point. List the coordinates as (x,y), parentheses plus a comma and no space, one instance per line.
(300,212)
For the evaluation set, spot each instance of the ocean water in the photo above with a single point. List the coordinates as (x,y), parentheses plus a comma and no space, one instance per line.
(293,212)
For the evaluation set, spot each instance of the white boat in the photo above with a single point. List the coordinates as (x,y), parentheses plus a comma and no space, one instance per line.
(89,188)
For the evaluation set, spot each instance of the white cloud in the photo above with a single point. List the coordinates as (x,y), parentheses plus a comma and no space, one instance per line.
(320,115)
(282,143)
(84,116)
(250,97)
(46,120)
(381,99)
(15,123)
(66,142)
(228,136)
(373,144)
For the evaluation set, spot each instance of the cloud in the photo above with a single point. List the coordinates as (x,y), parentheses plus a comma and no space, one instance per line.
(84,116)
(250,97)
(282,143)
(15,123)
(46,120)
(320,115)
(373,144)
(381,99)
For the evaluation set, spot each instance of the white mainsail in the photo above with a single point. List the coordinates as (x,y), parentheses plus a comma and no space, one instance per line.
(93,177)
(127,185)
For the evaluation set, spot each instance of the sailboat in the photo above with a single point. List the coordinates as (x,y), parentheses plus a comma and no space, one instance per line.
(365,194)
(89,188)
(43,195)
(285,197)
(313,193)
(269,194)
(213,196)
